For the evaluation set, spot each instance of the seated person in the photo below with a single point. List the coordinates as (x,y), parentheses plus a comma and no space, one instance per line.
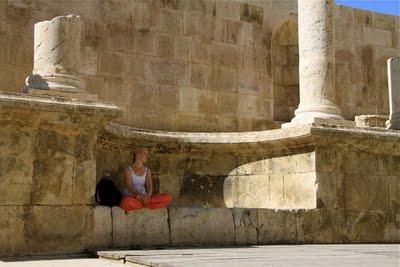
(138,190)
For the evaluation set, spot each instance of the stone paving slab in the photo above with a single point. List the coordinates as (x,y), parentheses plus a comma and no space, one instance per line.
(296,255)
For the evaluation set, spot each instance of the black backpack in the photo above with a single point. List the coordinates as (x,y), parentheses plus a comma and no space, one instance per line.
(107,194)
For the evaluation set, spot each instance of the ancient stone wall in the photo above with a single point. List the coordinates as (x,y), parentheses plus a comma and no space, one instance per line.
(202,65)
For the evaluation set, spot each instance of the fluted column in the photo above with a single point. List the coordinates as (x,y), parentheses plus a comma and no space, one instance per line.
(317,61)
(57,56)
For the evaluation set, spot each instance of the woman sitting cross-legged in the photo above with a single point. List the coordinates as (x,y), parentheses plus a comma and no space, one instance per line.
(138,190)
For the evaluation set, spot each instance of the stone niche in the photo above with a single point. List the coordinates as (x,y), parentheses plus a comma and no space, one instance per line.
(320,166)
(48,172)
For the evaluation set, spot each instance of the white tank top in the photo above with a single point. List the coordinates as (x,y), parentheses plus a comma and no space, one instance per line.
(138,182)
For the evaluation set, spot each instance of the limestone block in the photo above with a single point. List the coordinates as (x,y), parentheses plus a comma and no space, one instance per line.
(165,46)
(12,239)
(384,21)
(182,47)
(252,166)
(145,42)
(299,190)
(363,17)
(394,192)
(361,226)
(250,106)
(53,167)
(246,225)
(84,182)
(392,229)
(191,22)
(207,101)
(171,21)
(276,226)
(228,9)
(170,72)
(143,228)
(98,231)
(317,226)
(56,229)
(366,191)
(168,98)
(368,121)
(248,81)
(111,63)
(227,102)
(201,226)
(252,191)
(119,37)
(359,163)
(223,79)
(200,51)
(188,99)
(199,75)
(276,197)
(138,68)
(251,13)
(225,54)
(142,15)
(377,37)
(15,164)
(328,187)
(89,61)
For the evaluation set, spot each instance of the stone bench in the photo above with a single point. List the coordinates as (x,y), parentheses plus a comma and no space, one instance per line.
(202,227)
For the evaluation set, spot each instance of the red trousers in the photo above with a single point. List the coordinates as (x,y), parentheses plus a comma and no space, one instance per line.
(157,201)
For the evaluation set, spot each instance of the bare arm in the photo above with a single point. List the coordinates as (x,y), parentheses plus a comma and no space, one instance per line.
(128,181)
(149,183)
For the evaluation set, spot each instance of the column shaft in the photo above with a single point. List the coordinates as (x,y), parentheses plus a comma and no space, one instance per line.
(317,61)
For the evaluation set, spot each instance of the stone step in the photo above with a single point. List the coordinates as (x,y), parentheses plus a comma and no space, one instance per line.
(205,227)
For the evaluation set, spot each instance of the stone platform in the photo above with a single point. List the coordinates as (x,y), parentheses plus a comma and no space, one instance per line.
(204,227)
(307,255)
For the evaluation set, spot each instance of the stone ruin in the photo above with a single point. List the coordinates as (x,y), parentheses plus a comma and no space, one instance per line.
(270,122)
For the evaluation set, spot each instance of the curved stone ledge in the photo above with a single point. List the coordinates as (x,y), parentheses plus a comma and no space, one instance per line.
(24,101)
(279,140)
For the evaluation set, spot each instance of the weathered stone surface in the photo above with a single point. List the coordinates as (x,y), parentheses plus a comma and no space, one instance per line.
(15,164)
(55,228)
(57,55)
(361,226)
(276,226)
(317,226)
(371,121)
(12,236)
(201,226)
(317,57)
(99,228)
(142,228)
(246,226)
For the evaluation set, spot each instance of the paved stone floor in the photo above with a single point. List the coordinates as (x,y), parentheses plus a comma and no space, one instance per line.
(304,255)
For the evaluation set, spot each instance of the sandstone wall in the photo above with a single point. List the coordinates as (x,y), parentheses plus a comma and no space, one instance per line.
(202,65)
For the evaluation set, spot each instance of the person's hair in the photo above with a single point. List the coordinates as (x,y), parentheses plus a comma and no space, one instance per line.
(137,150)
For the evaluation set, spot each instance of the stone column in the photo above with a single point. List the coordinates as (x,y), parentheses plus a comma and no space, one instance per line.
(317,61)
(57,46)
(393,66)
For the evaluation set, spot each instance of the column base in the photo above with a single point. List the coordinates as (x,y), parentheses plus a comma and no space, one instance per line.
(393,123)
(58,85)
(314,115)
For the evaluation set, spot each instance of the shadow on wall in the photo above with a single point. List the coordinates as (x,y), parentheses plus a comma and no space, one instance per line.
(220,177)
(285,70)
